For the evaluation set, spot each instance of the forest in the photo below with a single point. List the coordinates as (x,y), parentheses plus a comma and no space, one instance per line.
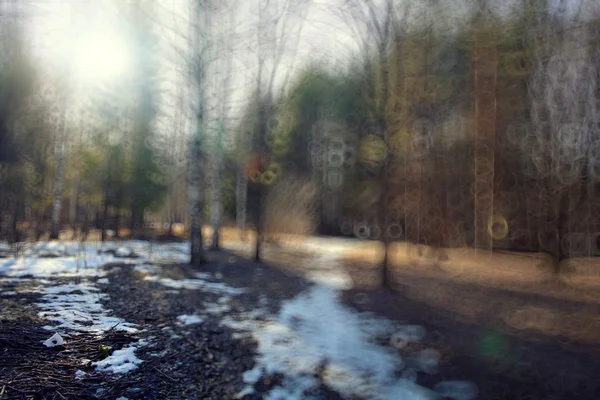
(450,128)
(299,199)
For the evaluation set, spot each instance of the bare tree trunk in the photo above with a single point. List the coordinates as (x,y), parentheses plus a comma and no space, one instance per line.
(104,211)
(485,71)
(17,208)
(195,198)
(241,191)
(73,210)
(195,189)
(217,204)
(59,181)
(137,221)
(170,231)
(85,229)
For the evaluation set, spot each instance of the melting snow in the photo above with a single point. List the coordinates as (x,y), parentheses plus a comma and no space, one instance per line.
(189,319)
(54,340)
(245,391)
(79,374)
(196,284)
(315,331)
(77,307)
(120,361)
(253,375)
(145,268)
(70,258)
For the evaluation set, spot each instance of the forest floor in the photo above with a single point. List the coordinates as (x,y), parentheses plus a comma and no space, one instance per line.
(138,323)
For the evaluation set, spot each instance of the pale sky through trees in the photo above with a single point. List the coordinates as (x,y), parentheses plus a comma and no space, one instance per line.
(60,28)
(57,24)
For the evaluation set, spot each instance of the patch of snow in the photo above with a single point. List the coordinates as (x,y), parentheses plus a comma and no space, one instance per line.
(103,281)
(58,259)
(216,309)
(241,335)
(293,388)
(159,253)
(72,258)
(45,267)
(77,307)
(120,361)
(248,389)
(151,269)
(315,331)
(196,284)
(242,325)
(189,319)
(8,293)
(54,340)
(224,299)
(123,252)
(252,376)
(79,374)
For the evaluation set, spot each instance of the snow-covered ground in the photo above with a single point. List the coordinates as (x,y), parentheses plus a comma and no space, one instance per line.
(76,307)
(60,259)
(313,331)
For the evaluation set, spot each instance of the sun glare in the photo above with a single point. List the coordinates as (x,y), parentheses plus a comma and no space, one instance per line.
(102,56)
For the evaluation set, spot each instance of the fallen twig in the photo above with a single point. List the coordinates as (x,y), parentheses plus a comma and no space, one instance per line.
(111,329)
(163,374)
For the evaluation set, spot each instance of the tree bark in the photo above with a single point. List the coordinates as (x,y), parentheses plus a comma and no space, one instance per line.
(73,210)
(59,178)
(216,209)
(195,199)
(241,191)
(195,173)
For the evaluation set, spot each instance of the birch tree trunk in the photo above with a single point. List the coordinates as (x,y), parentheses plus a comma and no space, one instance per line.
(216,203)
(59,177)
(195,190)
(195,194)
(223,70)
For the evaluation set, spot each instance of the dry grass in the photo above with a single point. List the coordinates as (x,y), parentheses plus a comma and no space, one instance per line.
(481,266)
(290,208)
